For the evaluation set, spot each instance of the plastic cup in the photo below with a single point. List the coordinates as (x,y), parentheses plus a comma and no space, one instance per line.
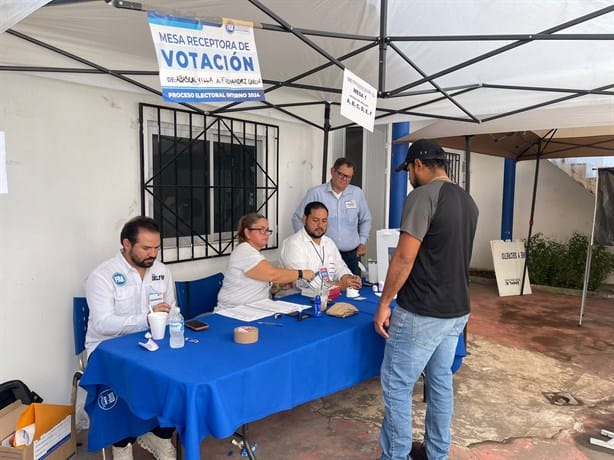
(351,292)
(157,324)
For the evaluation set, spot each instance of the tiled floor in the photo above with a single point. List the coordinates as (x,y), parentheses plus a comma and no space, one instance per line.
(522,350)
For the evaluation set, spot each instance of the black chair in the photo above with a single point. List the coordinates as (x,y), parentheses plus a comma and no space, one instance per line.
(198,296)
(16,390)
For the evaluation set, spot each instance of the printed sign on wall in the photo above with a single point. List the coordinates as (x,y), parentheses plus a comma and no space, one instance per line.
(202,62)
(508,258)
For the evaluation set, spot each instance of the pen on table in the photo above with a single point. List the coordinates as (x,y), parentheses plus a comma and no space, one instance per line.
(268,323)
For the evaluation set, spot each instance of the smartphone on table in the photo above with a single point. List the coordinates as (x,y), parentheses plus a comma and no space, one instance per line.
(196,325)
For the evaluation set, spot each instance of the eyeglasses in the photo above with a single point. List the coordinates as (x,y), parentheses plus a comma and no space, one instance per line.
(262,231)
(343,176)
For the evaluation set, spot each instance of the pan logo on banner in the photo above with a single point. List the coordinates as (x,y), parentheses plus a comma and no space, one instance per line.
(202,62)
(508,258)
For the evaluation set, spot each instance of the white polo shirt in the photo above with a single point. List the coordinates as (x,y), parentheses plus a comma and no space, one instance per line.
(299,251)
(118,298)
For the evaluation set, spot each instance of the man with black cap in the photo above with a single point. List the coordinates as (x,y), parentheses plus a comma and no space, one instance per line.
(429,273)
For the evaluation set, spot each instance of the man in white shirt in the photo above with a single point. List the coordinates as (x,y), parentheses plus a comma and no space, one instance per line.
(119,294)
(310,248)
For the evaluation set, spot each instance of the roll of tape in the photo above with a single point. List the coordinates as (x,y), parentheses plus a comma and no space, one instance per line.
(246,334)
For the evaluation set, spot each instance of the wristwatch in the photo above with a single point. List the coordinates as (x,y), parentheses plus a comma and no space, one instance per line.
(300,274)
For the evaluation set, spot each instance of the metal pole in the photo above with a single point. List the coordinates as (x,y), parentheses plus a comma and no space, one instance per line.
(468,164)
(526,254)
(589,255)
(383,44)
(325,142)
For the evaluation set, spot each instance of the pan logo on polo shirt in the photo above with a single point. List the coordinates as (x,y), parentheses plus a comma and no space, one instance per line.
(157,277)
(119,278)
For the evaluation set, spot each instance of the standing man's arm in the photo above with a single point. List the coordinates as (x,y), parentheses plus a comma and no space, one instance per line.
(364,225)
(399,269)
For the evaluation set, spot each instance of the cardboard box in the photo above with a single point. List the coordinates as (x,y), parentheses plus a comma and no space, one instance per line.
(54,436)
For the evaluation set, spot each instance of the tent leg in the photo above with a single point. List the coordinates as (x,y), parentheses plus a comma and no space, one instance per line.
(325,141)
(587,272)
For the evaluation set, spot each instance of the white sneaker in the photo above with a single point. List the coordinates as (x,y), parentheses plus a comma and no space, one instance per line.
(122,453)
(162,449)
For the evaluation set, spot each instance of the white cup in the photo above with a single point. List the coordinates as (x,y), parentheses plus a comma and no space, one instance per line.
(157,324)
(351,292)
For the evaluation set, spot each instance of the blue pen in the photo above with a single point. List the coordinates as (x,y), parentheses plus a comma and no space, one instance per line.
(266,323)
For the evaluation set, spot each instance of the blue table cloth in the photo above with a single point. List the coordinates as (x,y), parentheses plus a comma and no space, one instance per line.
(214,386)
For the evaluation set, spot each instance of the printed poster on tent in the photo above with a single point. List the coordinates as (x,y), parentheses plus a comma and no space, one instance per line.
(203,62)
(358,100)
(508,258)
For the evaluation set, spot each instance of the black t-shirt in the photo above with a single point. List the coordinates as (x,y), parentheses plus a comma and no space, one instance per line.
(444,217)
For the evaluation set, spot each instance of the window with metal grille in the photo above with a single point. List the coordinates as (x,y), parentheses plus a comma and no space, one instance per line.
(200,174)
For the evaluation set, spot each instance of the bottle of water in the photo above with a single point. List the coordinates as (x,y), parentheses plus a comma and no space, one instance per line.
(317,304)
(175,328)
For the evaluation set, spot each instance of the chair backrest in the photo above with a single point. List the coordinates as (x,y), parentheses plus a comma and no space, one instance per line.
(80,315)
(14,390)
(198,296)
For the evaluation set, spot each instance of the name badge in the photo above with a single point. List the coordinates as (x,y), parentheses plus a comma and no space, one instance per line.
(324,274)
(350,204)
(155,298)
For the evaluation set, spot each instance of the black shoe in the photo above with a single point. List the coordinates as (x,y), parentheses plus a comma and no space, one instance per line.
(418,451)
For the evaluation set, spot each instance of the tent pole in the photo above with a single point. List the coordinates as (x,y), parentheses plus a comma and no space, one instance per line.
(383,45)
(589,255)
(468,164)
(325,142)
(526,254)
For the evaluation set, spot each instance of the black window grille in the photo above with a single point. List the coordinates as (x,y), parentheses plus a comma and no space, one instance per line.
(453,163)
(200,174)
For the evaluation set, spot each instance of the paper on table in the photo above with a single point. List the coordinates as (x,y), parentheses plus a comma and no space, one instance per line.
(276,306)
(260,309)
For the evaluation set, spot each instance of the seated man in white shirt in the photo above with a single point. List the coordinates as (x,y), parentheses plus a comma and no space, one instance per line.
(310,248)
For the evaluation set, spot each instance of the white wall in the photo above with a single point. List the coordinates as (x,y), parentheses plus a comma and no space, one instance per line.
(562,206)
(73,178)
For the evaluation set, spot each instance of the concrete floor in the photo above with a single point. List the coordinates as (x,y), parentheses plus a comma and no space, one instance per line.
(522,350)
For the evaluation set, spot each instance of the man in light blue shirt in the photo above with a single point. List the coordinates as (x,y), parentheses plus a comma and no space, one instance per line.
(349,219)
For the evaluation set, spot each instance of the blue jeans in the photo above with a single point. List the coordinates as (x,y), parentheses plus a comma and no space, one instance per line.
(418,343)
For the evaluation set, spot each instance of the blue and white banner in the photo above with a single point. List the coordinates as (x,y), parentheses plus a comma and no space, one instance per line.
(202,62)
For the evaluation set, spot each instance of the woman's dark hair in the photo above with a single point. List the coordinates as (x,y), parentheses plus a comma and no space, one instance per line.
(246,222)
(133,226)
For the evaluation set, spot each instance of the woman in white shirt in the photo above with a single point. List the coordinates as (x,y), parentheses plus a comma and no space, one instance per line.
(249,275)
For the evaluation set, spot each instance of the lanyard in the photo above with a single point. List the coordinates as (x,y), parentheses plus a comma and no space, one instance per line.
(321,257)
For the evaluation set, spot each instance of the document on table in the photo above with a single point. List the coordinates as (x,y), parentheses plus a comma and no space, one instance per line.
(260,309)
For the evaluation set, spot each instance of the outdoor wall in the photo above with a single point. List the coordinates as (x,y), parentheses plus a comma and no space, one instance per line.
(562,206)
(73,180)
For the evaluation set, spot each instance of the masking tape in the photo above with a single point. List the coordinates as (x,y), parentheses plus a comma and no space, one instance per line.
(246,334)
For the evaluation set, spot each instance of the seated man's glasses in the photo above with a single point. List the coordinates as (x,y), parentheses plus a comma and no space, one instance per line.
(343,176)
(263,231)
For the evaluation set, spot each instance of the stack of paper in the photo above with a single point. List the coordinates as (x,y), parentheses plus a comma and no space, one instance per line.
(260,309)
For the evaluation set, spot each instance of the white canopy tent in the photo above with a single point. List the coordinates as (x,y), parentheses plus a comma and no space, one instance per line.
(539,65)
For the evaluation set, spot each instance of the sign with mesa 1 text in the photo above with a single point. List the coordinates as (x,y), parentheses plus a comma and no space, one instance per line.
(202,62)
(358,100)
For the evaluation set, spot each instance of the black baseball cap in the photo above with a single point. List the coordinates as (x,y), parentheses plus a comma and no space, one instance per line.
(423,149)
